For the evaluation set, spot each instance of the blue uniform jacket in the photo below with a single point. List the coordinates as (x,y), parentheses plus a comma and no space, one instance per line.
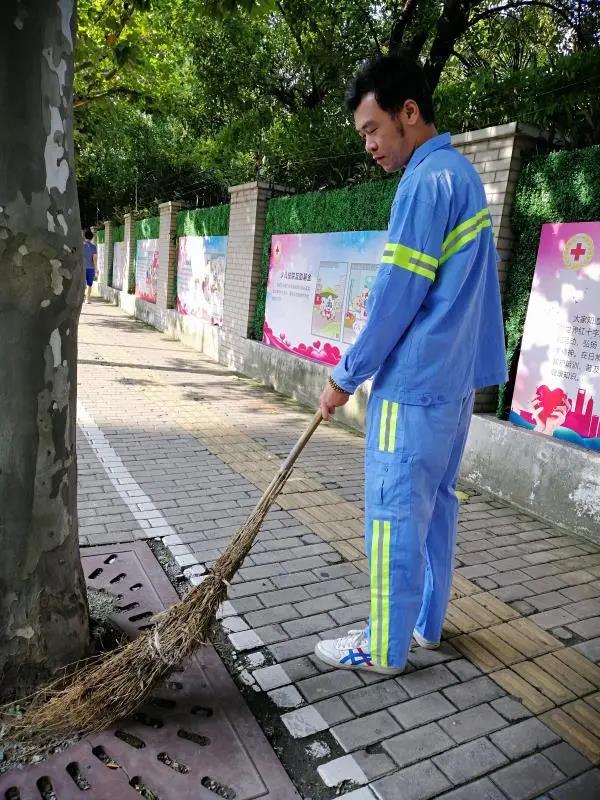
(434,328)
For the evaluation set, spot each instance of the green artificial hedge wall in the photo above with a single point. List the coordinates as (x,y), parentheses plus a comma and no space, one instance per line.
(563,186)
(359,208)
(100,236)
(147,228)
(119,233)
(213,221)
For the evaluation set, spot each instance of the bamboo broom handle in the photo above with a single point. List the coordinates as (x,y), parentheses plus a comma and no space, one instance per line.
(280,478)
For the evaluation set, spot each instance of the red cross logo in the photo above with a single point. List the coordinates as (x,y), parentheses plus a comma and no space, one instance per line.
(578,251)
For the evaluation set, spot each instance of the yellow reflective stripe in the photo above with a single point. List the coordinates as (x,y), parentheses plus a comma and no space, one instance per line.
(375,605)
(393,423)
(412,260)
(465,239)
(385,595)
(462,227)
(426,273)
(383,424)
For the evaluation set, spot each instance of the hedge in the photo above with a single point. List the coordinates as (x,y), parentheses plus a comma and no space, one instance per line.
(213,221)
(147,228)
(563,186)
(360,208)
(100,237)
(119,233)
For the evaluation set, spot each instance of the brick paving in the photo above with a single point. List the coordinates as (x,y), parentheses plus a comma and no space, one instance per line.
(175,446)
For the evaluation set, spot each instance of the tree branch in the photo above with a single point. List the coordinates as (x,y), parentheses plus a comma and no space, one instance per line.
(400,26)
(492,12)
(115,91)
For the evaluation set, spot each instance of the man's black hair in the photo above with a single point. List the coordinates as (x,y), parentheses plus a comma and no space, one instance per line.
(88,234)
(393,80)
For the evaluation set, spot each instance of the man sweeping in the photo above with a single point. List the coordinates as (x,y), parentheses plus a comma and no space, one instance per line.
(433,335)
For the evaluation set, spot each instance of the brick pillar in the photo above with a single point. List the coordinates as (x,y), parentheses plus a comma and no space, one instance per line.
(106,278)
(244,259)
(129,241)
(496,154)
(167,256)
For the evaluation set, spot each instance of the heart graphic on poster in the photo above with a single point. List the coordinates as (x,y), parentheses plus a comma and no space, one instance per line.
(550,399)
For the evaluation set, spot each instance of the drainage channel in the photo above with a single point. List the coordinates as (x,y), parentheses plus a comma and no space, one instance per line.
(194,740)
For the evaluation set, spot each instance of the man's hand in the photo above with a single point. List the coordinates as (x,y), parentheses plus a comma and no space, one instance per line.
(332,399)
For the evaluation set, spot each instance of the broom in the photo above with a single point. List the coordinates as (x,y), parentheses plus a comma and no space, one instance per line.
(108,689)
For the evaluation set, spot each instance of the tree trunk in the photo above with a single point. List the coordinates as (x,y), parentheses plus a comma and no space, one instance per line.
(43,606)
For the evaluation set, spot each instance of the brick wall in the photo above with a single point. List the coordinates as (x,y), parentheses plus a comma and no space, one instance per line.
(244,257)
(497,154)
(167,256)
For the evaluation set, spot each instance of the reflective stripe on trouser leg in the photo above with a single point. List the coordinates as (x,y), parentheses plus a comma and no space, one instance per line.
(380,591)
(388,424)
(441,538)
(401,489)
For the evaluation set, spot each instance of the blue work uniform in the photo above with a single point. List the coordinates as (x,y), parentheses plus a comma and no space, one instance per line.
(434,334)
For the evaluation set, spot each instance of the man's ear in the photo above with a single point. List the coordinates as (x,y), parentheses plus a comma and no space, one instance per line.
(412,112)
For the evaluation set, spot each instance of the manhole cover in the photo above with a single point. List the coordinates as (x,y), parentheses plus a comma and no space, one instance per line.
(195,739)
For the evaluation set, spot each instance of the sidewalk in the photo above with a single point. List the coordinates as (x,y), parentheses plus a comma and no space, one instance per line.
(173,445)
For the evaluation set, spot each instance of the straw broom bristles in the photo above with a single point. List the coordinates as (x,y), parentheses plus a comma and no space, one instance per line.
(115,685)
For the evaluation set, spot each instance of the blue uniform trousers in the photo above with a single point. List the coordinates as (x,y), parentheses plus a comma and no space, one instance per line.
(412,464)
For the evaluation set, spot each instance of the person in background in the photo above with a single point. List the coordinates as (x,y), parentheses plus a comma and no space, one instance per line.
(433,335)
(90,255)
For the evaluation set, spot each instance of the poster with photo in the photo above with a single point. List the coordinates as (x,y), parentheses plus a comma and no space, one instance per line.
(317,290)
(201,262)
(146,269)
(330,291)
(119,279)
(101,261)
(557,387)
(362,277)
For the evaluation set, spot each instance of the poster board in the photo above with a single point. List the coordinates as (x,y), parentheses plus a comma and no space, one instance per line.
(119,277)
(201,262)
(317,290)
(557,387)
(146,269)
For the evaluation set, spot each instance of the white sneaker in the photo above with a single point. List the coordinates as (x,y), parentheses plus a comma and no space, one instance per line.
(426,643)
(351,652)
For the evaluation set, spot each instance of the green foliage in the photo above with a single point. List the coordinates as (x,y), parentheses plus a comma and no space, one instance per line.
(560,187)
(361,208)
(204,221)
(559,97)
(119,233)
(148,228)
(100,236)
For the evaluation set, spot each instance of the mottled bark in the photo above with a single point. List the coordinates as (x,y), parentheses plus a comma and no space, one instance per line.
(43,608)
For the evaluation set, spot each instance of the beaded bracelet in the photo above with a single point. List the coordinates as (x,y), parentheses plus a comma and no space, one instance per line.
(337,388)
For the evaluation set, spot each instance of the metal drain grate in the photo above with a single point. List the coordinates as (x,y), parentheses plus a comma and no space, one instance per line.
(196,738)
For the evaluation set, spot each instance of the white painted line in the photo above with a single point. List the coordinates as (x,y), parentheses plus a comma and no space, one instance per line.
(151,521)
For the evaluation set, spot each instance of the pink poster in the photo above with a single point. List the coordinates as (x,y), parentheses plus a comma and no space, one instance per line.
(317,291)
(557,389)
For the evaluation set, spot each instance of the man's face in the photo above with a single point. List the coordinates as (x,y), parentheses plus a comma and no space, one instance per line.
(387,137)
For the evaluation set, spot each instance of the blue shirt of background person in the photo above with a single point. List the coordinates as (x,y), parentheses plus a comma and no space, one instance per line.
(90,253)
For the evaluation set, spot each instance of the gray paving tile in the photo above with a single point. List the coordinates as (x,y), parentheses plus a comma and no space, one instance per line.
(474,722)
(528,778)
(417,745)
(474,692)
(372,698)
(373,728)
(567,759)
(523,738)
(585,787)
(419,782)
(483,789)
(427,680)
(470,761)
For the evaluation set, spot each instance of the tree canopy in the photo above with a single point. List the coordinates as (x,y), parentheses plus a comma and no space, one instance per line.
(179,98)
